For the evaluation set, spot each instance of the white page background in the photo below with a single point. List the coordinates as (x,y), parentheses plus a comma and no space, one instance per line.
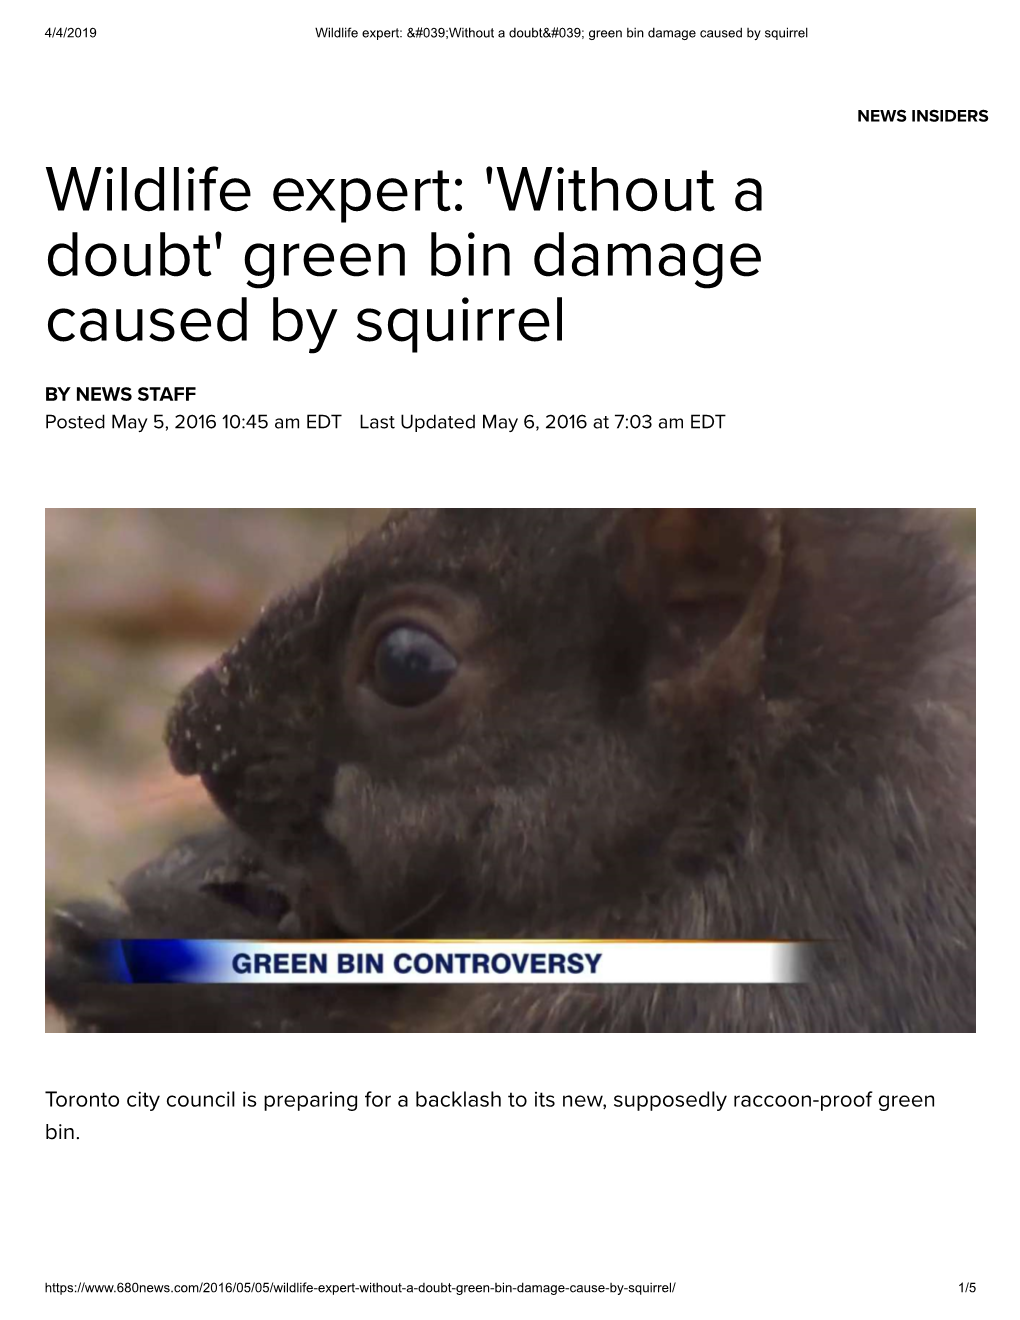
(868,360)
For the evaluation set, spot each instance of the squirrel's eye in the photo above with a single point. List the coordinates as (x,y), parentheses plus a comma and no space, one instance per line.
(411,667)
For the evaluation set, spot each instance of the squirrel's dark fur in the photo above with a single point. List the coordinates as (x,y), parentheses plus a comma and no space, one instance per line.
(685,724)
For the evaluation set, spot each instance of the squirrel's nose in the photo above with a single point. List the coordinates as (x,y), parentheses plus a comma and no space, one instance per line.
(198,744)
(194,729)
(184,752)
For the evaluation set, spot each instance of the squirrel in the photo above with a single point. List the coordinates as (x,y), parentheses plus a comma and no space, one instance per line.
(715,724)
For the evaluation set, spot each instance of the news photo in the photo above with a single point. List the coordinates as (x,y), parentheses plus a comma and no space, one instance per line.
(510,770)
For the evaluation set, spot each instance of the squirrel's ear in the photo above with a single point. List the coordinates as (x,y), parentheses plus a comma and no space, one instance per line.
(713,575)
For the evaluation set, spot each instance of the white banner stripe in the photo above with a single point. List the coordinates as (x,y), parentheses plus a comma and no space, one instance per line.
(486,962)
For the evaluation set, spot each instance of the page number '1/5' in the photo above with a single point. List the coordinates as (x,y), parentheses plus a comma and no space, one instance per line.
(968,1287)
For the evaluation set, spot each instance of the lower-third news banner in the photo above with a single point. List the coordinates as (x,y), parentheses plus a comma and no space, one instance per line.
(461,962)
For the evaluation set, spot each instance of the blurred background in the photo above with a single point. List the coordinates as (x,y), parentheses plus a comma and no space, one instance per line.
(137,602)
